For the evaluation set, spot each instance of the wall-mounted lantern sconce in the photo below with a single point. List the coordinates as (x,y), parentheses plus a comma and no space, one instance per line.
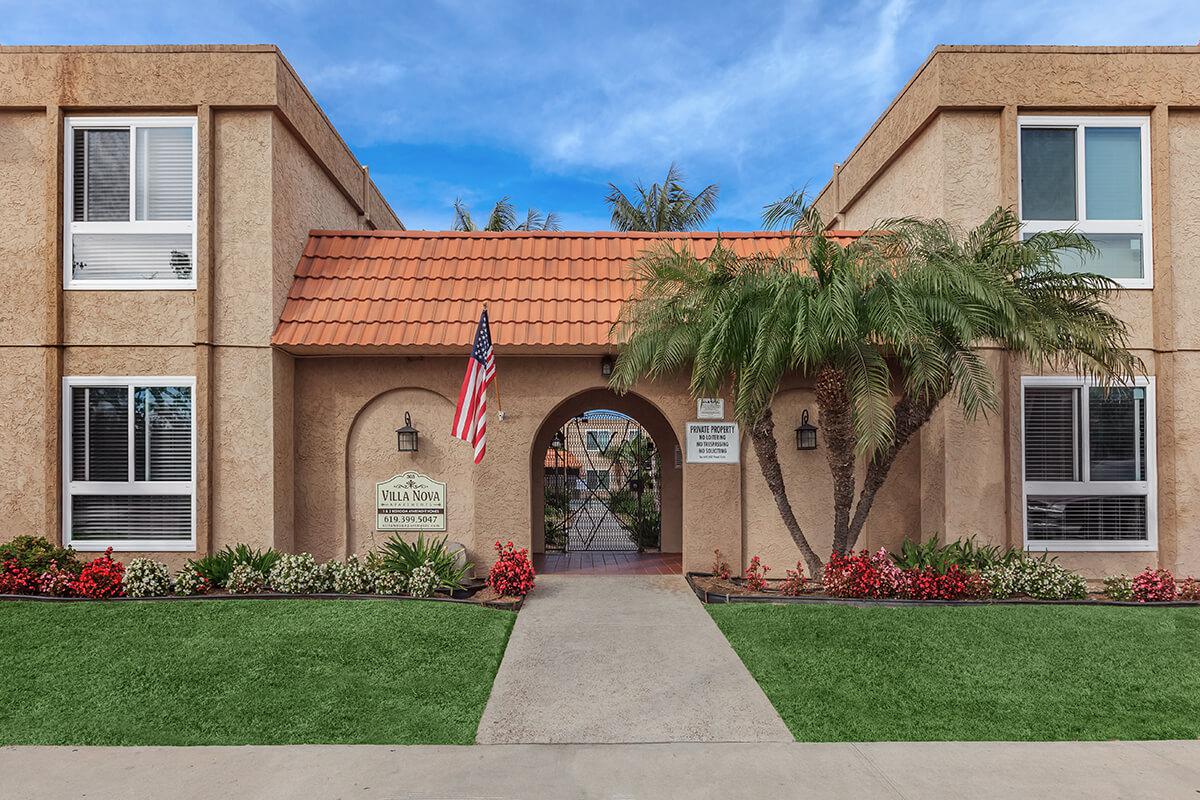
(606,366)
(406,437)
(558,442)
(806,435)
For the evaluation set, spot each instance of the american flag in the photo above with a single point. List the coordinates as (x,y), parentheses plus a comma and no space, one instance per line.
(471,414)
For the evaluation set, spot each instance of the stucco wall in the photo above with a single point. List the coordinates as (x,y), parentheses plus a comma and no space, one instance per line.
(270,166)
(947,147)
(330,393)
(372,457)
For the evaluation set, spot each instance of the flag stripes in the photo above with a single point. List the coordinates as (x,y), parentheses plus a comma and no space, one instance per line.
(470,415)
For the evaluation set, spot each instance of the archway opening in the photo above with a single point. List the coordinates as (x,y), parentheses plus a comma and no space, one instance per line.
(602,484)
(606,484)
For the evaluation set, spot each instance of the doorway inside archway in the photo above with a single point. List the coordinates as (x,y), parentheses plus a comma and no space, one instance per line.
(602,486)
(606,487)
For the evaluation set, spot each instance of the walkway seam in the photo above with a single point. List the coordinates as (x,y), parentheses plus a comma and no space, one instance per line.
(879,773)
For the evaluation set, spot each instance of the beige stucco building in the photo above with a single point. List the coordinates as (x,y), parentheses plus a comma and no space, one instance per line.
(186,367)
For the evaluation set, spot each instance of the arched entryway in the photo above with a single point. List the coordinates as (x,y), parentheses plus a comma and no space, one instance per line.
(606,484)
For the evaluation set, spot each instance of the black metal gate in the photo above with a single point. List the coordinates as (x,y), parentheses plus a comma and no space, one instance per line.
(602,481)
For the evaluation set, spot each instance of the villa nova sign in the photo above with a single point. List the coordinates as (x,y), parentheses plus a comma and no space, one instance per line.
(410,502)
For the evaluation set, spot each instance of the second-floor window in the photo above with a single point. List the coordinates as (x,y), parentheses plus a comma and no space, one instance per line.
(1091,173)
(130,203)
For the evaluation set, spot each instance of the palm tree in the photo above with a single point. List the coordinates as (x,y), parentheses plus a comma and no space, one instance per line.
(886,326)
(662,207)
(503,217)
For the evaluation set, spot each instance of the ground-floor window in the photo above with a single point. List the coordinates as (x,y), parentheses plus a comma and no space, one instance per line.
(129,448)
(598,480)
(1089,465)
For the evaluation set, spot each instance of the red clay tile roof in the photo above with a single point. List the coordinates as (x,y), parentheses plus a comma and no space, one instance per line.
(562,459)
(423,290)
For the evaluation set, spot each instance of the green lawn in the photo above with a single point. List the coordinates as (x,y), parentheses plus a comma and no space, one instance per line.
(838,673)
(246,672)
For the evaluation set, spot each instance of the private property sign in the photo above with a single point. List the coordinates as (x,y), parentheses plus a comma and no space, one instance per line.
(712,443)
(410,502)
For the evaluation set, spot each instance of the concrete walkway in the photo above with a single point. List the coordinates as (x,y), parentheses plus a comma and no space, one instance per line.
(932,770)
(623,659)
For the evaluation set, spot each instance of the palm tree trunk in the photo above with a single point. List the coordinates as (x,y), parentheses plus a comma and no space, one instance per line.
(837,423)
(762,434)
(911,414)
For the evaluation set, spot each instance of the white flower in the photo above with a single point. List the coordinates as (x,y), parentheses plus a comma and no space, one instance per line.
(146,578)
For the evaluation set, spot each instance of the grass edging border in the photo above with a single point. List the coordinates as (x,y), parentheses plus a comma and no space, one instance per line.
(716,598)
(40,598)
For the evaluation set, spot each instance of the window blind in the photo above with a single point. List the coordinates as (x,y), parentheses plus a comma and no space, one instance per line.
(163,433)
(1113,172)
(164,174)
(131,256)
(118,518)
(1051,434)
(100,433)
(1086,518)
(101,175)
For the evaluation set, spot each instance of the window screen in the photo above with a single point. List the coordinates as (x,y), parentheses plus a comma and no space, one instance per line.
(131,463)
(1048,184)
(132,195)
(1086,463)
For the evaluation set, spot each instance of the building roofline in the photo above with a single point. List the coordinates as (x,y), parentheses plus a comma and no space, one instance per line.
(423,234)
(987,48)
(1064,48)
(140,48)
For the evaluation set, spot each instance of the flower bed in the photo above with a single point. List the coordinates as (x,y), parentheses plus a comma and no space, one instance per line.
(36,570)
(711,589)
(956,573)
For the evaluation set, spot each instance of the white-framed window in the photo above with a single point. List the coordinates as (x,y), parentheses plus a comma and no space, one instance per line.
(129,203)
(597,440)
(1091,173)
(598,480)
(1088,464)
(129,463)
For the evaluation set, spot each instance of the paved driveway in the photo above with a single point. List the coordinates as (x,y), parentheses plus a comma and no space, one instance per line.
(602,659)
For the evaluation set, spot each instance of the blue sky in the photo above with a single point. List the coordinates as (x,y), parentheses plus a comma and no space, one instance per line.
(547,102)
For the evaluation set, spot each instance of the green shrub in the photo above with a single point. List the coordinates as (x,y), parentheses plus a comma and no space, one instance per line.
(215,567)
(1118,587)
(145,577)
(296,574)
(35,553)
(962,553)
(245,579)
(404,558)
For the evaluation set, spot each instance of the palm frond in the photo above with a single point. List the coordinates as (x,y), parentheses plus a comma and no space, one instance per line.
(665,206)
(462,217)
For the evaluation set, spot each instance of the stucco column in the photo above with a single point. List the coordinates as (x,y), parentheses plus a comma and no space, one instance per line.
(712,513)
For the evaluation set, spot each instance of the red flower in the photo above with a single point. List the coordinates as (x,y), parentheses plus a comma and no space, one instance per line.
(756,575)
(1154,586)
(16,579)
(512,574)
(101,578)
